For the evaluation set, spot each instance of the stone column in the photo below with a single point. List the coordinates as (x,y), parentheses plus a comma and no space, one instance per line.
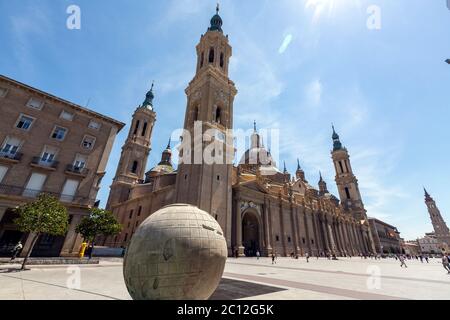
(307,235)
(325,234)
(268,238)
(317,243)
(238,226)
(70,247)
(339,237)
(352,238)
(355,236)
(345,237)
(294,229)
(360,241)
(331,237)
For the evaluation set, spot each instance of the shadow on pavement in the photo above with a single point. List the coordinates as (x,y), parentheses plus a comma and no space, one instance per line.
(234,289)
(11,270)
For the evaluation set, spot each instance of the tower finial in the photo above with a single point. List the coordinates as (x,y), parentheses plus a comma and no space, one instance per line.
(285,169)
(298,164)
(217,8)
(254,125)
(148,102)
(337,145)
(320,174)
(170,141)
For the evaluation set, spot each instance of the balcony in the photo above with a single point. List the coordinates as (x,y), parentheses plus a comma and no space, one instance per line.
(38,162)
(15,191)
(77,171)
(10,157)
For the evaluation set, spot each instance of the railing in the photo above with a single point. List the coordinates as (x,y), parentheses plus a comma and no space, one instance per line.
(6,155)
(29,193)
(44,163)
(77,170)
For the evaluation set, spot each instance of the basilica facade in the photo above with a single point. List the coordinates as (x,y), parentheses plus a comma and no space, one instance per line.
(259,207)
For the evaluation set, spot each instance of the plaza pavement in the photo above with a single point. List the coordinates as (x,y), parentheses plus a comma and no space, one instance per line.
(246,278)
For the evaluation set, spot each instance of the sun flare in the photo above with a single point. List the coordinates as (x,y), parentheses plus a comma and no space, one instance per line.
(331,7)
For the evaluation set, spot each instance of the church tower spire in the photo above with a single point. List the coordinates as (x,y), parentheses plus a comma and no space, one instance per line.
(440,227)
(323,189)
(300,174)
(135,151)
(204,176)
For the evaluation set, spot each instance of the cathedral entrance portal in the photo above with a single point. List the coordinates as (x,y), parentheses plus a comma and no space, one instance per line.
(250,233)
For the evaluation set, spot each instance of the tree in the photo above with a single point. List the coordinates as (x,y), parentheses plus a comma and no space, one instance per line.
(99,223)
(45,215)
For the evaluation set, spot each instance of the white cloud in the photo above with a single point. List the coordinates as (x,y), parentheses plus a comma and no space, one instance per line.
(286,42)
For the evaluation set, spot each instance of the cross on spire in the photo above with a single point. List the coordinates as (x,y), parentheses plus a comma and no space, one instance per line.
(217,8)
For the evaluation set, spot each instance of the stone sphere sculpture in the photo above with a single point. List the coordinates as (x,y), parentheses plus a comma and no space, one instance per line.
(178,253)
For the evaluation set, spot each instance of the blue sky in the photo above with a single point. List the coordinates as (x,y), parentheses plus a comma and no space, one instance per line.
(299,65)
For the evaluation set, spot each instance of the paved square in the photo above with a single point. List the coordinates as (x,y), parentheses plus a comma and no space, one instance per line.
(246,278)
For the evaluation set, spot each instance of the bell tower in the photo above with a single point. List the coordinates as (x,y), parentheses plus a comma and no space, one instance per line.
(349,193)
(440,227)
(135,152)
(206,153)
(346,181)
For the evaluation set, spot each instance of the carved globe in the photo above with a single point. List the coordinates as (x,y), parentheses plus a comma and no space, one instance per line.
(178,253)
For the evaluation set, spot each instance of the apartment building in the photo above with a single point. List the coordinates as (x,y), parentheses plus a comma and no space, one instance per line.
(49,145)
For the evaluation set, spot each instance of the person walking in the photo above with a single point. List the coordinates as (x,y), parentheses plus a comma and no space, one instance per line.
(274,258)
(426,258)
(421,258)
(446,263)
(307,257)
(402,261)
(257,254)
(16,250)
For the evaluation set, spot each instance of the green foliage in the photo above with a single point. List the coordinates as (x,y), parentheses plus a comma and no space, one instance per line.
(44,215)
(99,222)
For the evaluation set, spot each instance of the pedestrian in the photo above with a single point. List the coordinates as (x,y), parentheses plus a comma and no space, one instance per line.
(402,260)
(421,258)
(90,250)
(257,254)
(307,257)
(273,258)
(426,258)
(446,263)
(16,250)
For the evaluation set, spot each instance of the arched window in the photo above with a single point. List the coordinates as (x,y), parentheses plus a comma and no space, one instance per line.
(218,115)
(347,193)
(195,113)
(202,59)
(136,128)
(211,55)
(144,129)
(340,165)
(134,167)
(221,60)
